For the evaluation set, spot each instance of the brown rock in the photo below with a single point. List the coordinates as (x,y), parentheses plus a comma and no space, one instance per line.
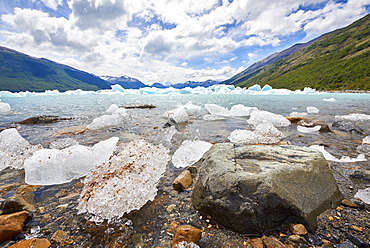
(6,187)
(60,236)
(271,242)
(348,203)
(298,229)
(11,225)
(313,123)
(326,242)
(257,243)
(32,243)
(25,195)
(295,120)
(186,233)
(71,130)
(183,181)
(341,134)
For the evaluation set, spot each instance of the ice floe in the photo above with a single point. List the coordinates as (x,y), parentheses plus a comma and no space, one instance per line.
(118,117)
(312,110)
(124,183)
(189,152)
(4,107)
(353,117)
(259,116)
(328,156)
(53,166)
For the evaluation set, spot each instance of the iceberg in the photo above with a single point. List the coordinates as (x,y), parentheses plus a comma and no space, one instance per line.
(4,107)
(53,166)
(353,117)
(118,117)
(236,110)
(255,87)
(124,183)
(266,87)
(259,116)
(14,149)
(189,153)
(312,110)
(265,133)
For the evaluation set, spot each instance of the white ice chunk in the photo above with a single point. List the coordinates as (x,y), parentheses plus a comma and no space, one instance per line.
(241,110)
(124,183)
(308,129)
(113,108)
(298,114)
(192,109)
(312,110)
(179,115)
(119,117)
(364,195)
(366,140)
(329,157)
(52,166)
(214,118)
(265,133)
(259,116)
(329,99)
(217,110)
(189,152)
(353,117)
(14,149)
(4,107)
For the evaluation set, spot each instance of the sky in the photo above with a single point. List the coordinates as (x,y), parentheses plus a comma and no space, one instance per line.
(168,41)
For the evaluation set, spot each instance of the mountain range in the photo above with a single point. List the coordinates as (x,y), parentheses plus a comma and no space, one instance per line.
(335,61)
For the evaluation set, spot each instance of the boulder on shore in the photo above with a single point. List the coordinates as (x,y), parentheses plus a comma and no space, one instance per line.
(253,188)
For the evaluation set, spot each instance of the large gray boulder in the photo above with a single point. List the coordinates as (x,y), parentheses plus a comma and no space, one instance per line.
(252,189)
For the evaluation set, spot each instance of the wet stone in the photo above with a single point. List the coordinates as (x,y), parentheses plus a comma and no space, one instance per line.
(32,243)
(187,233)
(298,229)
(271,242)
(44,119)
(349,203)
(11,225)
(183,181)
(313,239)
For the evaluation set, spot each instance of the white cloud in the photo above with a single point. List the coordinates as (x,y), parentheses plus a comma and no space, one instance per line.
(100,36)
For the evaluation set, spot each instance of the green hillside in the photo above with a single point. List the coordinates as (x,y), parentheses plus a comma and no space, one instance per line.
(20,72)
(336,61)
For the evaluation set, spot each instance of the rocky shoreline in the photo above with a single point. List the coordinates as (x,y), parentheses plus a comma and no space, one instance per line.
(52,211)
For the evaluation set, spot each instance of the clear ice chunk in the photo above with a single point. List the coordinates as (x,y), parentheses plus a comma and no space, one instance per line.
(344,159)
(113,108)
(236,110)
(265,133)
(366,140)
(308,129)
(259,116)
(312,110)
(193,110)
(189,153)
(119,117)
(124,183)
(52,166)
(14,149)
(179,115)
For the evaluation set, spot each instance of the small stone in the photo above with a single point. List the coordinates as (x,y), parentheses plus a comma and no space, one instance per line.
(170,208)
(183,181)
(357,229)
(46,218)
(59,236)
(173,227)
(327,243)
(186,233)
(295,120)
(11,205)
(313,239)
(11,225)
(294,238)
(62,207)
(61,193)
(71,130)
(32,243)
(298,229)
(348,203)
(341,134)
(271,242)
(79,185)
(25,194)
(257,243)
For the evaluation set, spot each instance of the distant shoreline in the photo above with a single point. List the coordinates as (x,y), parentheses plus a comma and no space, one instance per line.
(347,91)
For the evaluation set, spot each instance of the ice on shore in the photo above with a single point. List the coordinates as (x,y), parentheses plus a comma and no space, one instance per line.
(4,107)
(124,183)
(179,115)
(364,195)
(312,110)
(113,108)
(353,117)
(366,140)
(235,110)
(53,166)
(14,149)
(329,157)
(193,110)
(118,117)
(189,152)
(308,129)
(260,116)
(264,133)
